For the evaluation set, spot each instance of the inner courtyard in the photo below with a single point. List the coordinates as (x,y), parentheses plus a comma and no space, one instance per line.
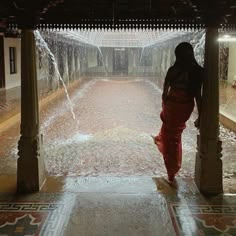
(81,96)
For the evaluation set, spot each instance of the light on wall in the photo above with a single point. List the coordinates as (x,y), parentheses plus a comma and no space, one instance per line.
(227,38)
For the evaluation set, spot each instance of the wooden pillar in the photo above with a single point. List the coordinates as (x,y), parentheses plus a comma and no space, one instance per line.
(30,164)
(2,63)
(208,168)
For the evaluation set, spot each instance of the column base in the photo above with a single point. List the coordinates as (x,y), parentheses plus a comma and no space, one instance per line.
(208,173)
(30,165)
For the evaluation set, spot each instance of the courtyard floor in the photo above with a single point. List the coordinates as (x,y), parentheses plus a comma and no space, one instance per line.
(105,128)
(105,175)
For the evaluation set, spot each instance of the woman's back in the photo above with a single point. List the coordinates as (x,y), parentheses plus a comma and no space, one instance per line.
(188,78)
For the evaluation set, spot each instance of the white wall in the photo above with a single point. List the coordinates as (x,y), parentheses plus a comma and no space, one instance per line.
(232,62)
(12,80)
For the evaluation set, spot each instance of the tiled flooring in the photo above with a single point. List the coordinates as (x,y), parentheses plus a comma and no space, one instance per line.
(117,206)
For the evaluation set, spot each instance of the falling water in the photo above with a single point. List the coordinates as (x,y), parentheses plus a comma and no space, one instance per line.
(40,42)
(103,62)
(140,60)
(142,68)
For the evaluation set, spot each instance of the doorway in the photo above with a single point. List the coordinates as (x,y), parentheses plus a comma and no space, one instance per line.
(120,61)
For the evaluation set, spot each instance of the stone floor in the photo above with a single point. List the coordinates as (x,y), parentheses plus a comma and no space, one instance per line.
(105,206)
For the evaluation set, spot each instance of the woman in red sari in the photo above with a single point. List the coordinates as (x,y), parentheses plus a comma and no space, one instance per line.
(182,86)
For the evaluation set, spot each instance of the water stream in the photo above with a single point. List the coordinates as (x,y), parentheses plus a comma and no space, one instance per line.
(40,42)
(103,62)
(141,56)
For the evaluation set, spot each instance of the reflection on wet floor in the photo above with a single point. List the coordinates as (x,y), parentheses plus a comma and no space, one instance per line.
(99,206)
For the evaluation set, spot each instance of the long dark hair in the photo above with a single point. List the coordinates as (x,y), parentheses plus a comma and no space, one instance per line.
(184,54)
(186,61)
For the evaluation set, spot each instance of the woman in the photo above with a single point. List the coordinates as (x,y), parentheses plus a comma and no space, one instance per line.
(182,86)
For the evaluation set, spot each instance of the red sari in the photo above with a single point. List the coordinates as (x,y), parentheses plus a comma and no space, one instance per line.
(176,110)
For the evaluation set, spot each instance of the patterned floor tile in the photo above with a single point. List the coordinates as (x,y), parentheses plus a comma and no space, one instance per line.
(203,220)
(31,218)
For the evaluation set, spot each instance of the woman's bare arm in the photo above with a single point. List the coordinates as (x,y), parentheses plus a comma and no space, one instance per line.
(198,99)
(166,86)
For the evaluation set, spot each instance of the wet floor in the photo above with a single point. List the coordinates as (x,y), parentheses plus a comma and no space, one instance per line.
(110,134)
(104,206)
(116,119)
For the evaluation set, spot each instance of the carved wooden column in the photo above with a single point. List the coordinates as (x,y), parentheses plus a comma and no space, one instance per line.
(208,168)
(30,164)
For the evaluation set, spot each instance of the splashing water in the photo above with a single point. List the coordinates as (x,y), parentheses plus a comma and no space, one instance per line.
(40,43)
(227,135)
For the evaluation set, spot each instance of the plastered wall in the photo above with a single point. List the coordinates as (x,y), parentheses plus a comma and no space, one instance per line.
(232,62)
(12,80)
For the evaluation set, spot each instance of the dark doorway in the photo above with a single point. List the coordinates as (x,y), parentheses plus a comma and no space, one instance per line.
(2,64)
(120,61)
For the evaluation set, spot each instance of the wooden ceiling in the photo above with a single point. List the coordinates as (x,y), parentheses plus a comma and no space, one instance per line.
(117,13)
